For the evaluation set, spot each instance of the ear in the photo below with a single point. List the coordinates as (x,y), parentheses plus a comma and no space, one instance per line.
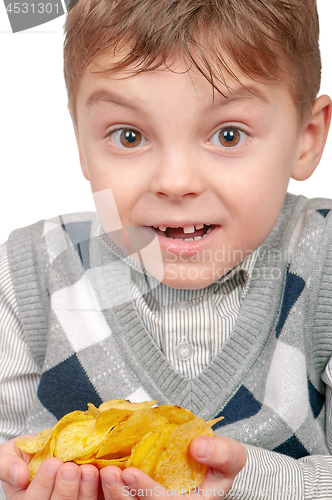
(313,138)
(79,145)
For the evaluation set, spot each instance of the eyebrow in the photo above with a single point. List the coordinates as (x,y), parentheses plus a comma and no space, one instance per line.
(243,92)
(99,96)
(107,96)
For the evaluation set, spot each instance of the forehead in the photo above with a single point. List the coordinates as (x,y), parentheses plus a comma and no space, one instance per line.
(135,91)
(93,80)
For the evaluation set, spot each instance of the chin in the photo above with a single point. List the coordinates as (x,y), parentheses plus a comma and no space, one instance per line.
(187,283)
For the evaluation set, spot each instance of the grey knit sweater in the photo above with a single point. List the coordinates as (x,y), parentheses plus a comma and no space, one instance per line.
(268,380)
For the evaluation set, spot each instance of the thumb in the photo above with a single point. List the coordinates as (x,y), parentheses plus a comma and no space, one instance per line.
(14,471)
(221,453)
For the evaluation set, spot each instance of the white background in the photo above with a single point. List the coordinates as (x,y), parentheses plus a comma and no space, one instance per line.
(40,171)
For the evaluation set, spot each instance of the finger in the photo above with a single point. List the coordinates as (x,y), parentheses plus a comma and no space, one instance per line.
(13,464)
(214,485)
(67,482)
(113,486)
(14,470)
(141,485)
(221,453)
(41,486)
(89,483)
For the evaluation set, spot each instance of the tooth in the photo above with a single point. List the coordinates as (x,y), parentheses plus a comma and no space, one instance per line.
(189,229)
(209,230)
(198,238)
(162,228)
(199,226)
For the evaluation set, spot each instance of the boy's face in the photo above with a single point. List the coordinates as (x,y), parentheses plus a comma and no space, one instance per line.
(174,158)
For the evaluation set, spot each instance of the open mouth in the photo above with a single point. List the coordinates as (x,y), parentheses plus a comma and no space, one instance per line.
(187,233)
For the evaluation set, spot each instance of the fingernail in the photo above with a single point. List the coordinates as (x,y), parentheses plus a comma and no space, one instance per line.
(129,479)
(88,477)
(69,475)
(204,448)
(52,468)
(110,479)
(13,474)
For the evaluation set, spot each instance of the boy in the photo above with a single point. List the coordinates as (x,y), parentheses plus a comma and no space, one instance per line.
(206,285)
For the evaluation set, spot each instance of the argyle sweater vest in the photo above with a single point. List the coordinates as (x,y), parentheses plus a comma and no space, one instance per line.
(83,330)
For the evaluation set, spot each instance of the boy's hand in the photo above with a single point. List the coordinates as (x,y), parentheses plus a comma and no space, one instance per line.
(53,481)
(224,457)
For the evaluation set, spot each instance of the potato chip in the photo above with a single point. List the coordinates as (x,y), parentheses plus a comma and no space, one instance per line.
(112,416)
(101,462)
(63,433)
(137,425)
(175,414)
(92,410)
(126,434)
(214,421)
(125,404)
(34,444)
(39,458)
(77,439)
(142,449)
(176,469)
(149,464)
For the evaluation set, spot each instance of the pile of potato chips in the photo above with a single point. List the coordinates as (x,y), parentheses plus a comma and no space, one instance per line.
(155,440)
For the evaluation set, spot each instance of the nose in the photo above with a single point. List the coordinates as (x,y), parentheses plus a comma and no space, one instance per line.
(177,176)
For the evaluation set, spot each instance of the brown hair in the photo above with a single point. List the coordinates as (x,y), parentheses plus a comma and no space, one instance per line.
(269,40)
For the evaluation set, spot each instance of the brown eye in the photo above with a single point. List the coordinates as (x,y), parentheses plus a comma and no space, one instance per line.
(130,138)
(229,137)
(127,138)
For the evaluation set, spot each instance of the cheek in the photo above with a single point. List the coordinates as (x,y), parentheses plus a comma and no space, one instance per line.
(261,214)
(125,190)
(256,205)
(265,180)
(106,174)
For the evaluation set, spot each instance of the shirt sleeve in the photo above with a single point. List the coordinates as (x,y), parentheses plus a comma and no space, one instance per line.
(19,374)
(272,476)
